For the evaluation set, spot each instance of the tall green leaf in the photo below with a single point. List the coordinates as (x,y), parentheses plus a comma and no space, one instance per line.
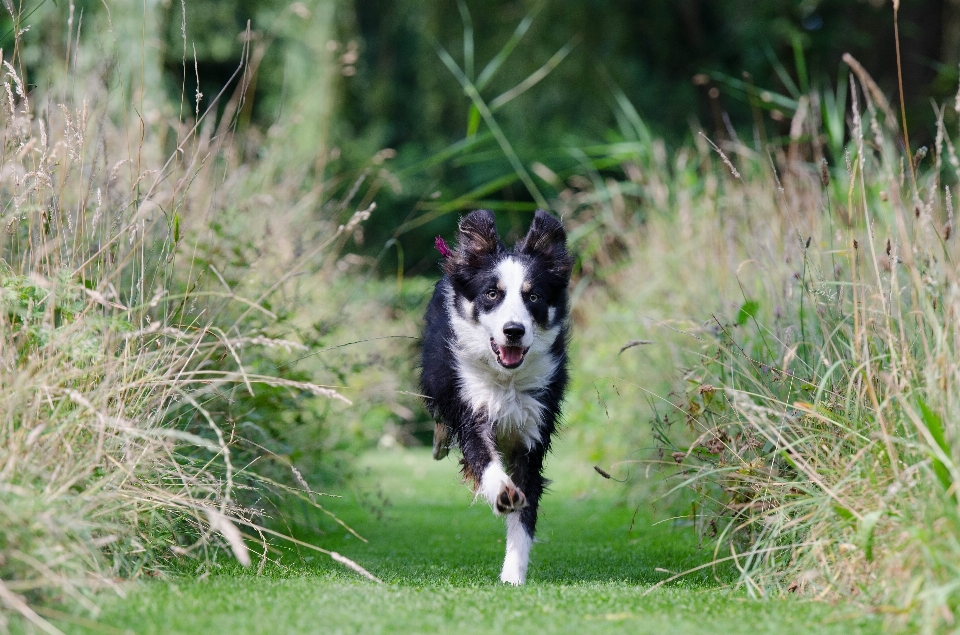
(935,426)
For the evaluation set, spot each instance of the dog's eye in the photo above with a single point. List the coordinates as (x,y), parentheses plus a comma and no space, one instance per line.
(492,294)
(533,297)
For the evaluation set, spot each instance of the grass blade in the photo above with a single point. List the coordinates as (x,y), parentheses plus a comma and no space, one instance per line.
(534,78)
(935,426)
(467,38)
(494,65)
(471,90)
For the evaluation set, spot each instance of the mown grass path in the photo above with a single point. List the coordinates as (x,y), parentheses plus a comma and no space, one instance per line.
(439,558)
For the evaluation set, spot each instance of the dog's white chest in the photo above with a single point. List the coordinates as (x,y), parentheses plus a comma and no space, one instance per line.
(510,409)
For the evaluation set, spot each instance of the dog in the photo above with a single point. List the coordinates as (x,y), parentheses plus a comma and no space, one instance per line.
(494,366)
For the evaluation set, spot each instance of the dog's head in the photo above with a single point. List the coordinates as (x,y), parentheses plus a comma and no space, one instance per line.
(511,297)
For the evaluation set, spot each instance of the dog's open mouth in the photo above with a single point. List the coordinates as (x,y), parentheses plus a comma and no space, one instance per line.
(508,356)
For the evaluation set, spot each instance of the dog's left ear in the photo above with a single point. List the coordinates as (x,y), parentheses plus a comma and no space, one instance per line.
(548,240)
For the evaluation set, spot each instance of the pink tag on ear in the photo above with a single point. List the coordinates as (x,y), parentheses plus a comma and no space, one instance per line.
(441,246)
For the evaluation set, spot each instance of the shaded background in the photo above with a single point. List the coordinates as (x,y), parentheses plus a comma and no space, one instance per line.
(729,67)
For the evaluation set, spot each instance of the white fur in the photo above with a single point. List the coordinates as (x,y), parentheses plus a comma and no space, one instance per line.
(492,482)
(510,277)
(518,551)
(504,394)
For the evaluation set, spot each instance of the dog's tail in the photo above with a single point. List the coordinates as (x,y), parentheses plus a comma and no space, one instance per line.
(441,440)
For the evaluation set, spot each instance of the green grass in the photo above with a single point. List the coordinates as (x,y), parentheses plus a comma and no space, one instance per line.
(439,558)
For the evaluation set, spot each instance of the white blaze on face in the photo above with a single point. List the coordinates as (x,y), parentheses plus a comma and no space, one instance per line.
(507,397)
(511,276)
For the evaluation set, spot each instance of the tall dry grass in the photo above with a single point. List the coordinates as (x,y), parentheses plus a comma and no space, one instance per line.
(113,352)
(811,310)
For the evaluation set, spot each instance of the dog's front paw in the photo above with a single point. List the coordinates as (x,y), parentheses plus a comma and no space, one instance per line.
(510,499)
(514,578)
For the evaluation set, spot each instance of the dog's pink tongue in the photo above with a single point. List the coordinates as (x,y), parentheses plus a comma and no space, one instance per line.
(511,355)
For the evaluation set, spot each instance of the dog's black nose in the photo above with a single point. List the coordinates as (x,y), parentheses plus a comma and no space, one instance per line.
(513,330)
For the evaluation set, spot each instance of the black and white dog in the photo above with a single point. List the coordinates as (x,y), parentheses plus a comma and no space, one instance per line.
(495,365)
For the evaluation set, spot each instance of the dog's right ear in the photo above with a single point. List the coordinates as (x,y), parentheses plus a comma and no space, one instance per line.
(476,240)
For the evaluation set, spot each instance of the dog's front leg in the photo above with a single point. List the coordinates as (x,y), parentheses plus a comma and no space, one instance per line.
(481,462)
(517,557)
(526,469)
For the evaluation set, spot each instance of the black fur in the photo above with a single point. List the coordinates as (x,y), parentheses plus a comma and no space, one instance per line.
(469,275)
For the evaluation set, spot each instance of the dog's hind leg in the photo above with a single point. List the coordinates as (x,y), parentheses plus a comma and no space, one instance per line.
(521,525)
(441,440)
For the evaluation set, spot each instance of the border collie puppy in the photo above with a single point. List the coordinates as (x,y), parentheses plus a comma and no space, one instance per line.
(494,366)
